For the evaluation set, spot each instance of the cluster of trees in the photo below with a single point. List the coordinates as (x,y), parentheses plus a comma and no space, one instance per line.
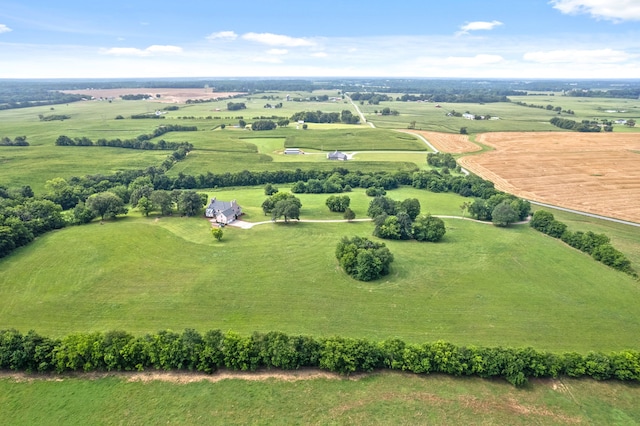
(387,111)
(501,209)
(263,125)
(316,117)
(548,107)
(371,98)
(53,117)
(363,259)
(208,352)
(136,97)
(441,159)
(17,141)
(583,126)
(596,245)
(22,94)
(628,93)
(282,204)
(338,203)
(235,106)
(400,220)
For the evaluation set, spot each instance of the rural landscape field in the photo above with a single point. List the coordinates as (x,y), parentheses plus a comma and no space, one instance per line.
(480,286)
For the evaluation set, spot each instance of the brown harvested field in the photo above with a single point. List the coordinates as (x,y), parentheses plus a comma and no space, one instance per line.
(167,95)
(447,142)
(591,172)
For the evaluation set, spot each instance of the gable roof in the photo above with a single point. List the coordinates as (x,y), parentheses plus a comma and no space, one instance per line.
(337,155)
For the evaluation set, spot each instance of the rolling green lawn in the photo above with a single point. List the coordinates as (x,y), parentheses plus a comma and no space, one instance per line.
(482,285)
(386,399)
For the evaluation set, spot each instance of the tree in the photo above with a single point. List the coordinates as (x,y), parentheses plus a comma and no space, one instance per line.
(389,229)
(479,210)
(269,189)
(145,205)
(504,214)
(287,208)
(428,228)
(411,206)
(82,214)
(380,205)
(162,200)
(190,203)
(363,259)
(463,130)
(338,203)
(106,204)
(349,214)
(217,233)
(269,204)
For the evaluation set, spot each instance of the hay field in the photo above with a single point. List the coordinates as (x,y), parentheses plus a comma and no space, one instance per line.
(591,172)
(447,142)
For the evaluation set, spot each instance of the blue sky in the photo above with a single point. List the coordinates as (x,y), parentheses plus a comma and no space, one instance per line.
(333,38)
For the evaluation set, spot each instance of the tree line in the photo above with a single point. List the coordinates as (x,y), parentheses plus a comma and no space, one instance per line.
(213,350)
(583,126)
(17,141)
(597,246)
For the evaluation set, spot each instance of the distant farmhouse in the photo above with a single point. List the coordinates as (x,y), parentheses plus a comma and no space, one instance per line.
(337,155)
(223,211)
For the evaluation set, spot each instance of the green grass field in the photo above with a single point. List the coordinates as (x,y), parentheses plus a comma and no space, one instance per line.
(385,399)
(482,285)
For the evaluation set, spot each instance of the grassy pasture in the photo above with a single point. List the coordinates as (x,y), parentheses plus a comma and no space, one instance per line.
(385,399)
(512,117)
(481,285)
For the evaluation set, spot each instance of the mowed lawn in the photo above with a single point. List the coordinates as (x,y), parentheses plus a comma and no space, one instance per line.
(481,285)
(384,399)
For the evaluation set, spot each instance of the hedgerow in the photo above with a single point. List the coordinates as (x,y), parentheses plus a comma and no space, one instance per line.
(192,351)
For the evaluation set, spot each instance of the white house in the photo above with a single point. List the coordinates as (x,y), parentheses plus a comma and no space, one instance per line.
(223,211)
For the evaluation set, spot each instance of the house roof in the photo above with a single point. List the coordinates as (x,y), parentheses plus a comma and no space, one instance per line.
(337,155)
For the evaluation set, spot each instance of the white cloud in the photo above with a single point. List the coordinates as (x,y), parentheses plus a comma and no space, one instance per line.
(277,51)
(222,35)
(319,55)
(615,10)
(4,29)
(478,26)
(267,59)
(597,56)
(277,40)
(134,51)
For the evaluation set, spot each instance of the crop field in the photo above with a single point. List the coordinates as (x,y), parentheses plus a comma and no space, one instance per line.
(596,173)
(448,142)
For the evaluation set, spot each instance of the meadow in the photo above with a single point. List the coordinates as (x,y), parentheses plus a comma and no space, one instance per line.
(481,285)
(385,399)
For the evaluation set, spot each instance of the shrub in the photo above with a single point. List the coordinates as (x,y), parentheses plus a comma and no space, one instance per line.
(363,259)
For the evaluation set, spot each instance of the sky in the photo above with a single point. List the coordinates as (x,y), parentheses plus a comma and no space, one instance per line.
(523,39)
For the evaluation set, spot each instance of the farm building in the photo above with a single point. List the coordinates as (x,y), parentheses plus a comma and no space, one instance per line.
(223,211)
(337,155)
(293,151)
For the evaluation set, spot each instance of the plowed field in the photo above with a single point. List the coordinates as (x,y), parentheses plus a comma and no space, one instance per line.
(166,94)
(593,172)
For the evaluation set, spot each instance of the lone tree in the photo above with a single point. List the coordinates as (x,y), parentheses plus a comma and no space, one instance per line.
(106,204)
(145,205)
(504,214)
(349,214)
(363,259)
(289,208)
(217,233)
(338,203)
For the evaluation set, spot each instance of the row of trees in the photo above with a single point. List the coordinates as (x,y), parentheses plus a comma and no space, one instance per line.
(208,352)
(236,106)
(596,245)
(17,141)
(400,220)
(501,209)
(441,159)
(583,126)
(548,107)
(144,144)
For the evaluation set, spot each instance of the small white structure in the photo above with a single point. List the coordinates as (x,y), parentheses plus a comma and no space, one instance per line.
(293,151)
(469,116)
(223,211)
